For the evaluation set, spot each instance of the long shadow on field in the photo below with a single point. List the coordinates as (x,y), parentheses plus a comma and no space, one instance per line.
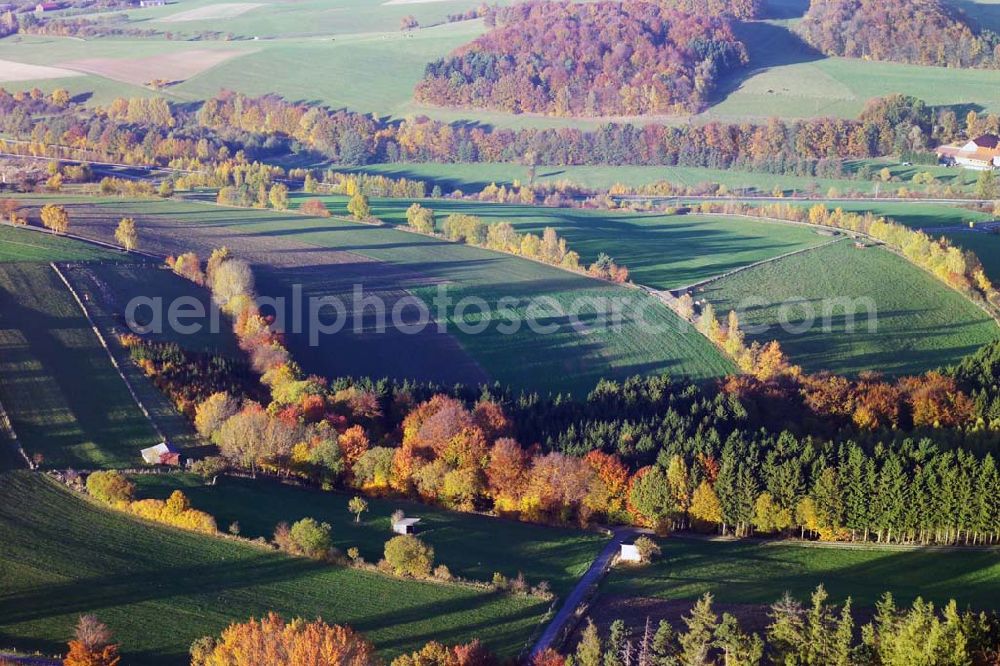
(770,46)
(845,344)
(752,572)
(44,428)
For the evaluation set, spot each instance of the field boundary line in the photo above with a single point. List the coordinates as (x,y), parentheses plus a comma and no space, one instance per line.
(7,426)
(985,307)
(762,262)
(84,239)
(111,356)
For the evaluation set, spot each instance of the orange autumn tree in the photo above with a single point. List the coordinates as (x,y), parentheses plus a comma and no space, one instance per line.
(271,640)
(610,489)
(353,443)
(91,645)
(507,473)
(436,654)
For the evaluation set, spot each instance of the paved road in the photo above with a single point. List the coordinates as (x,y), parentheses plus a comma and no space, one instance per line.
(654,198)
(594,574)
(29,661)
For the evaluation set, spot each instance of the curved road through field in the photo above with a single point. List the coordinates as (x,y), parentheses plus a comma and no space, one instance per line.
(594,574)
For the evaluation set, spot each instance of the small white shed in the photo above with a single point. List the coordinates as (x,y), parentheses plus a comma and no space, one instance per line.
(405,525)
(154,454)
(630,553)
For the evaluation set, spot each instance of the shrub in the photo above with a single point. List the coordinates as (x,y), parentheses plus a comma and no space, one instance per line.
(315,208)
(648,549)
(110,487)
(408,555)
(311,538)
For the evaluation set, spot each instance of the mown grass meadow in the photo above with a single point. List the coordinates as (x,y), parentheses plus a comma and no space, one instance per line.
(905,321)
(159,588)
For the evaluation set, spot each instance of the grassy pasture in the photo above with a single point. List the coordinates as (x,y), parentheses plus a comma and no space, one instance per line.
(328,257)
(63,396)
(916,214)
(985,246)
(787,79)
(661,251)
(759,572)
(113,286)
(471,546)
(22,245)
(474,177)
(63,556)
(905,320)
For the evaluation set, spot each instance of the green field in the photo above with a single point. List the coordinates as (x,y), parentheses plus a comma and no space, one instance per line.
(985,246)
(113,286)
(61,392)
(787,79)
(660,251)
(23,245)
(328,257)
(475,176)
(905,320)
(471,546)
(62,556)
(759,572)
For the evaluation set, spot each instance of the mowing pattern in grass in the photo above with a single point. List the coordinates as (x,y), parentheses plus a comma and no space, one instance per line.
(471,546)
(330,257)
(661,251)
(754,572)
(23,245)
(62,556)
(905,320)
(64,397)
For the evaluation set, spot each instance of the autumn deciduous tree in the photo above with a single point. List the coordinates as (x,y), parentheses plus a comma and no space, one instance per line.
(407,555)
(110,487)
(277,196)
(271,640)
(436,654)
(357,505)
(213,412)
(55,218)
(358,207)
(91,645)
(188,265)
(420,218)
(232,279)
(315,208)
(126,234)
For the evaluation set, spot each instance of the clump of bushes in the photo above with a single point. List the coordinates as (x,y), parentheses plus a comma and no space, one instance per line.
(114,489)
(407,555)
(110,487)
(648,549)
(305,538)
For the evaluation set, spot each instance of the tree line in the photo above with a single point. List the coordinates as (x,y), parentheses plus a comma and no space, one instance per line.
(817,633)
(232,129)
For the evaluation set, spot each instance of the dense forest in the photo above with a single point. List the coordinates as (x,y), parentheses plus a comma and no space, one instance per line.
(587,59)
(921,32)
(739,9)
